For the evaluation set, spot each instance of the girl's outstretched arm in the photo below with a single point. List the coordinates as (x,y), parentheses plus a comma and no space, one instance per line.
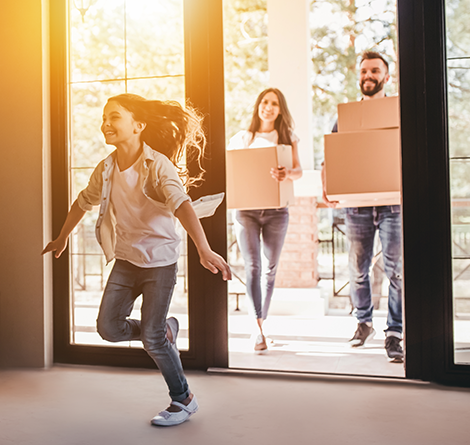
(209,259)
(74,216)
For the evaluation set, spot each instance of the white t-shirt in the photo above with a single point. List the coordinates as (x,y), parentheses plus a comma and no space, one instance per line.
(243,139)
(145,234)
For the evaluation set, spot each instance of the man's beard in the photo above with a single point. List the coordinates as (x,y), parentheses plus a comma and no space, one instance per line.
(378,87)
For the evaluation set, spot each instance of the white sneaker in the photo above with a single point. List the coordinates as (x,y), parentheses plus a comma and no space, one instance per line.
(166,418)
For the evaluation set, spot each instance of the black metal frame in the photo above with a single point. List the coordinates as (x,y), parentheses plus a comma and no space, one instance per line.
(426,194)
(208,338)
(335,227)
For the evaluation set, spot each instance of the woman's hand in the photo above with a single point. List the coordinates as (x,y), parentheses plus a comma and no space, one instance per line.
(214,262)
(57,246)
(282,173)
(279,174)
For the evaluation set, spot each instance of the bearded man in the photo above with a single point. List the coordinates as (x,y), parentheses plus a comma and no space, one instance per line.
(361,225)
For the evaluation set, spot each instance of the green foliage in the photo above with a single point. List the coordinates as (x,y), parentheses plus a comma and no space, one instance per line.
(340,31)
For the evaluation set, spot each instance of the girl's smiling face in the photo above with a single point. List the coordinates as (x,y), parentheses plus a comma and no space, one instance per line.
(269,109)
(119,126)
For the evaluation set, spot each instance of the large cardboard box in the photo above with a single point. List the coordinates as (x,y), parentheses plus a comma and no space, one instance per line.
(371,114)
(363,168)
(363,160)
(249,181)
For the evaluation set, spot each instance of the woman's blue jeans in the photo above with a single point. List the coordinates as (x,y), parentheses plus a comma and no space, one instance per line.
(261,231)
(126,282)
(361,224)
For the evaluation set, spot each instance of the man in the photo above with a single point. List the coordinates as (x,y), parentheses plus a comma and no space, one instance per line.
(361,226)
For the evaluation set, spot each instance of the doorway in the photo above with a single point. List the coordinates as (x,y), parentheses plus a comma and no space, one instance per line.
(310,319)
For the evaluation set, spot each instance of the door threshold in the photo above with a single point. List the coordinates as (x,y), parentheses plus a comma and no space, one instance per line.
(313,375)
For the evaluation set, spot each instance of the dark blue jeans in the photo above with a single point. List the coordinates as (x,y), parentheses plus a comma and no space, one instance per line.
(361,224)
(256,231)
(126,282)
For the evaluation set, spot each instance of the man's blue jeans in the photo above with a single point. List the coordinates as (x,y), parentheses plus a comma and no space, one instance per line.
(251,226)
(126,282)
(361,224)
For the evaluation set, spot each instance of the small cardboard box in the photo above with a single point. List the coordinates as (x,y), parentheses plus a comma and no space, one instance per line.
(369,114)
(249,181)
(363,167)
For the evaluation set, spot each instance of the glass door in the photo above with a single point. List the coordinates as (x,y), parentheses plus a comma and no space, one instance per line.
(115,47)
(100,48)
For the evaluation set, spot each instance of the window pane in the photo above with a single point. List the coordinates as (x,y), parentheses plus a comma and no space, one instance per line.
(459,113)
(97,46)
(155,39)
(458,72)
(112,41)
(168,88)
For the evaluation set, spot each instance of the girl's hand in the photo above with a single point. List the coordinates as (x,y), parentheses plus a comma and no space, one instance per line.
(214,262)
(57,246)
(279,173)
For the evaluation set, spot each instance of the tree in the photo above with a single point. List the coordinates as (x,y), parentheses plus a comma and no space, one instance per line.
(340,31)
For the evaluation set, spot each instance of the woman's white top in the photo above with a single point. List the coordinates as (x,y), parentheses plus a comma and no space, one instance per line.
(244,139)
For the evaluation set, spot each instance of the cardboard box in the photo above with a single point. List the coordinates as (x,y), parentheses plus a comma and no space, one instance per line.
(363,168)
(249,181)
(369,114)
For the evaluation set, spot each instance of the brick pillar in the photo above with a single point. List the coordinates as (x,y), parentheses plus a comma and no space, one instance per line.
(298,264)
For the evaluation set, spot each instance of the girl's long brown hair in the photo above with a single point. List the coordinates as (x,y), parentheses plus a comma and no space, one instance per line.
(284,123)
(171,130)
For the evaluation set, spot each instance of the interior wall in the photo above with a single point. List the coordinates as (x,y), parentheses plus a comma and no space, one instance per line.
(25,287)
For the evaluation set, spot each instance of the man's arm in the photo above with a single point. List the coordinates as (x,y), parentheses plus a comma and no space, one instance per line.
(326,201)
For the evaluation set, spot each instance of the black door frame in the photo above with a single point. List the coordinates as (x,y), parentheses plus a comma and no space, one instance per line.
(426,194)
(208,338)
(426,197)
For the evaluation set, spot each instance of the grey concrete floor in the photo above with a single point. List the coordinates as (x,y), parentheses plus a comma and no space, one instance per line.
(69,405)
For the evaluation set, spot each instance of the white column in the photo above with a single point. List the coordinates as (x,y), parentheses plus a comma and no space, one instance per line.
(290,66)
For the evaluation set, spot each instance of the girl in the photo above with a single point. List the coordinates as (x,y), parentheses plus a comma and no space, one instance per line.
(139,192)
(265,229)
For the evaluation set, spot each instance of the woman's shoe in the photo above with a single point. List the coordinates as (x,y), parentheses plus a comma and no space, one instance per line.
(167,418)
(260,344)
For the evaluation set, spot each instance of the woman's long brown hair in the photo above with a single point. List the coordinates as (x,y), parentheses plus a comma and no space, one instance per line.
(171,130)
(284,123)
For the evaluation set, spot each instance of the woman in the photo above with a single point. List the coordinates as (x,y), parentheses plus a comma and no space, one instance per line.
(140,191)
(265,229)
